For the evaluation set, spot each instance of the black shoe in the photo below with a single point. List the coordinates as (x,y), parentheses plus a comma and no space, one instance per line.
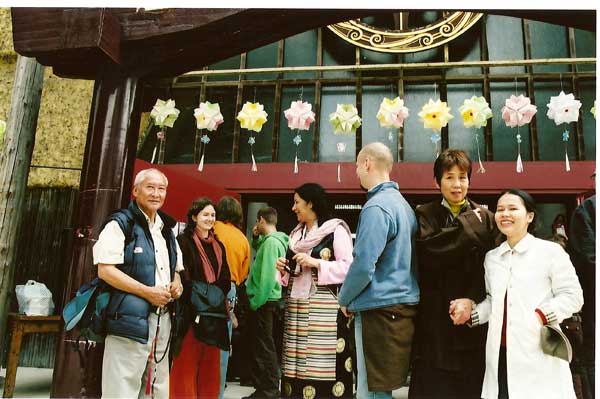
(251,396)
(246,383)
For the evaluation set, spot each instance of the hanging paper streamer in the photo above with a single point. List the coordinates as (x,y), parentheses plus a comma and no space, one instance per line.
(299,117)
(208,116)
(593,110)
(163,115)
(345,121)
(564,108)
(435,115)
(475,113)
(517,112)
(341,148)
(519,161)
(252,117)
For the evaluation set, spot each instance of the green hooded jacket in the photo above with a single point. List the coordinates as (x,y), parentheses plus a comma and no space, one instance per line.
(262,284)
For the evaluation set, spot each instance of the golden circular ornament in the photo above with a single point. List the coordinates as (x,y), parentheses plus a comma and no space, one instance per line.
(445,29)
(287,389)
(348,364)
(309,392)
(340,345)
(338,389)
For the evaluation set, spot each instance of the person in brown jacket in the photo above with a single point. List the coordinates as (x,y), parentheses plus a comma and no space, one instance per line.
(454,234)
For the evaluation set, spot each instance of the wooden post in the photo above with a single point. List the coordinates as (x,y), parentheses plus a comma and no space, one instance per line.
(15,159)
(105,186)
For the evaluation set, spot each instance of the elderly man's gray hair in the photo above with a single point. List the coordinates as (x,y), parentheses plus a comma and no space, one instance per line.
(142,174)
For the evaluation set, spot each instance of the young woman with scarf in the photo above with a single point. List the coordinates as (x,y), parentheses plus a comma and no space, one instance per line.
(195,372)
(318,258)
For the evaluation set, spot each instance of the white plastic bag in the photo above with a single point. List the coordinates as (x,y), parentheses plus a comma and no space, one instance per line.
(35,299)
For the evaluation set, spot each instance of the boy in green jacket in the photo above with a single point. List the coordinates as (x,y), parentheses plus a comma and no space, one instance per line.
(264,293)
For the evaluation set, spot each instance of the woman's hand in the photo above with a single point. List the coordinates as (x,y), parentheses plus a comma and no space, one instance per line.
(305,260)
(460,310)
(280,265)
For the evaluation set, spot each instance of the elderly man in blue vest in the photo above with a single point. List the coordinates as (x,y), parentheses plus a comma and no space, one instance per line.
(381,288)
(138,256)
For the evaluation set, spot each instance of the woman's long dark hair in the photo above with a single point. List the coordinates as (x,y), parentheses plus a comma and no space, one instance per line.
(314,193)
(528,202)
(197,206)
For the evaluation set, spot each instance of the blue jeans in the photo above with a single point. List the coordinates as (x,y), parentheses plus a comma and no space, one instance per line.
(225,354)
(362,389)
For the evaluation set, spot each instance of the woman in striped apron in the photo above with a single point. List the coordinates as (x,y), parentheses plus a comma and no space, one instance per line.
(317,360)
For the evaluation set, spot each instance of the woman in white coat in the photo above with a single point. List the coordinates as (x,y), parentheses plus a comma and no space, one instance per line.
(529,282)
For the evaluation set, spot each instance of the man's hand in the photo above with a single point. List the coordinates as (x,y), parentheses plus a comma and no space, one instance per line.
(157,296)
(176,288)
(345,311)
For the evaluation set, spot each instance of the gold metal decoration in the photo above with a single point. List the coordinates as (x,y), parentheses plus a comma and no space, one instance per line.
(340,345)
(348,364)
(338,389)
(309,392)
(449,27)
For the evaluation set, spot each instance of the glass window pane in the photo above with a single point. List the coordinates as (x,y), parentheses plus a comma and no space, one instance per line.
(300,50)
(262,57)
(417,139)
(551,146)
(337,51)
(371,130)
(585,46)
(467,47)
(287,148)
(263,144)
(330,97)
(505,42)
(548,41)
(229,63)
(505,138)
(587,91)
(221,141)
(459,136)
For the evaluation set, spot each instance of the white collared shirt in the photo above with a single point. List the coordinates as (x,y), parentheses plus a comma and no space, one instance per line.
(110,248)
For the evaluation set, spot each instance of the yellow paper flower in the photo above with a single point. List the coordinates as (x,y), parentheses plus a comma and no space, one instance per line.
(392,113)
(252,116)
(164,113)
(593,110)
(345,119)
(435,115)
(475,112)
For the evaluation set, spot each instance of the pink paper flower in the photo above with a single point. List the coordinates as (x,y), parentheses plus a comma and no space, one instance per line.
(518,111)
(299,115)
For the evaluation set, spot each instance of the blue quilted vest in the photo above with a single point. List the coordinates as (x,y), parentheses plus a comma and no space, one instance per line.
(127,314)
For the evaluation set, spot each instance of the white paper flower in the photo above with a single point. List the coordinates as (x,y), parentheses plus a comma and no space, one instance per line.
(164,113)
(563,108)
(208,116)
(345,119)
(392,113)
(475,112)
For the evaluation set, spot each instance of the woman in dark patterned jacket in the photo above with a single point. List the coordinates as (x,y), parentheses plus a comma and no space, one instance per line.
(454,235)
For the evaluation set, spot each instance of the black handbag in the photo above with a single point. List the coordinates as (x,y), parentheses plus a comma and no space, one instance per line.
(209,313)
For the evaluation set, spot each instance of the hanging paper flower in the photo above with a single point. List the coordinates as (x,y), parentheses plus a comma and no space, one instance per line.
(299,115)
(563,108)
(392,113)
(518,111)
(252,116)
(435,115)
(208,116)
(345,119)
(297,140)
(164,113)
(593,110)
(475,112)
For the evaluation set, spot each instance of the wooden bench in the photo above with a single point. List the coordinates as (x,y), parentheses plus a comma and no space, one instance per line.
(20,325)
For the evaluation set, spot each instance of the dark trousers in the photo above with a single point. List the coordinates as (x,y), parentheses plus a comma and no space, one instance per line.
(265,366)
(502,379)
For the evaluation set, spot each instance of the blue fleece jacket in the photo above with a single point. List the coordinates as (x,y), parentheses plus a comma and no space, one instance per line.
(383,272)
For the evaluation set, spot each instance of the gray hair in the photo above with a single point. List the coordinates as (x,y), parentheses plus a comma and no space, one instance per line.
(142,174)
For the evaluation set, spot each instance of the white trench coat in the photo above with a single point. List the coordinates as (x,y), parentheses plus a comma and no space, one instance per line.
(534,274)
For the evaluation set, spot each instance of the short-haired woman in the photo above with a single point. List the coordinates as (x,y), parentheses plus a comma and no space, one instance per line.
(454,235)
